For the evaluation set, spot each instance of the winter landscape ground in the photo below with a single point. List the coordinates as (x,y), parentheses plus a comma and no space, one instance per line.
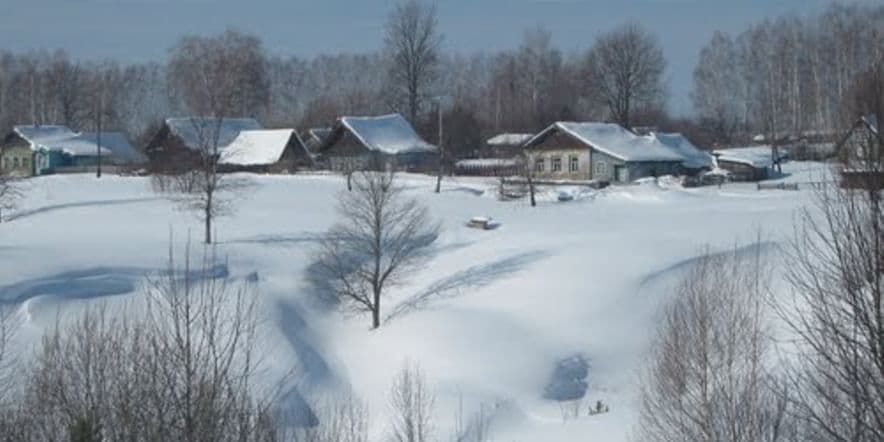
(585,277)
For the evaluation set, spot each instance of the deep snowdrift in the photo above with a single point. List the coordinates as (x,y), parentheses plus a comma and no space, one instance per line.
(584,277)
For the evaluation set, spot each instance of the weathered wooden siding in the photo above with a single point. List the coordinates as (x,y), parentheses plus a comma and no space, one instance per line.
(562,147)
(742,171)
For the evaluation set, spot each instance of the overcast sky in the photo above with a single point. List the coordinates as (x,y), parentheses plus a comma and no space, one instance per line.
(136,30)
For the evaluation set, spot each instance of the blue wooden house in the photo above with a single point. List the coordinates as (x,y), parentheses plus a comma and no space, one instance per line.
(55,149)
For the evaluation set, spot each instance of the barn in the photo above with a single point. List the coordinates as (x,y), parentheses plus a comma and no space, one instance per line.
(753,163)
(377,143)
(243,145)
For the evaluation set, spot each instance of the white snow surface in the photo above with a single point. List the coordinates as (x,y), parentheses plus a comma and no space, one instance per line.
(63,139)
(755,156)
(509,139)
(257,147)
(587,276)
(389,134)
(618,142)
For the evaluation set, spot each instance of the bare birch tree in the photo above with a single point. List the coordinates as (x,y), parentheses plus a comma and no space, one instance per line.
(837,310)
(185,372)
(11,190)
(412,44)
(382,237)
(625,71)
(709,369)
(411,406)
(219,77)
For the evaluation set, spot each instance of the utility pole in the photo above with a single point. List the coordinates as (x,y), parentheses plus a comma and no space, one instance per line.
(98,126)
(441,150)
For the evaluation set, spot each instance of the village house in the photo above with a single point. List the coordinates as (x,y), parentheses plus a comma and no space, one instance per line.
(44,149)
(501,156)
(316,136)
(242,143)
(377,143)
(754,163)
(505,145)
(607,152)
(861,150)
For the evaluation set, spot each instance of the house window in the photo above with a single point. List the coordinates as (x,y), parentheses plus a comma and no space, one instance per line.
(25,162)
(6,163)
(601,168)
(556,164)
(539,165)
(574,164)
(15,162)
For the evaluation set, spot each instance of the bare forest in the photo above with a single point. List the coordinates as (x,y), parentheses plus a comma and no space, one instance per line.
(782,76)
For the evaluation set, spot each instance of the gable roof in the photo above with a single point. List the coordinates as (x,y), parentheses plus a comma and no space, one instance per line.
(388,134)
(62,139)
(870,122)
(259,147)
(509,139)
(614,140)
(193,130)
(318,134)
(694,158)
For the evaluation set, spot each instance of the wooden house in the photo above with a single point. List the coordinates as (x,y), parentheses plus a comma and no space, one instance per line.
(861,150)
(45,149)
(505,145)
(377,143)
(242,145)
(604,152)
(754,163)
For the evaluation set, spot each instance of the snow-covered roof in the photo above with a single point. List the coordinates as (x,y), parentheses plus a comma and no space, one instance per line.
(389,134)
(509,139)
(197,132)
(693,158)
(872,122)
(257,147)
(63,139)
(616,141)
(755,156)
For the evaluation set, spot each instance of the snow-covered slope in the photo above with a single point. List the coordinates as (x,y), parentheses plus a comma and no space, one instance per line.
(584,277)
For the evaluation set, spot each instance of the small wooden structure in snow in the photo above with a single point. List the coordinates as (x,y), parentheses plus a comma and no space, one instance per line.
(480,222)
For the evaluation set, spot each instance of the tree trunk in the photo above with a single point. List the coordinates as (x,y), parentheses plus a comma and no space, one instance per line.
(208,216)
(531,190)
(376,311)
(441,152)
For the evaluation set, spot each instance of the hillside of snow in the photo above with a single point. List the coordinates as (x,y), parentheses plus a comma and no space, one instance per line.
(584,277)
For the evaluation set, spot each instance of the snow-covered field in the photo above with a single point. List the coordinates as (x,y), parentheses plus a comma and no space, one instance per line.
(584,277)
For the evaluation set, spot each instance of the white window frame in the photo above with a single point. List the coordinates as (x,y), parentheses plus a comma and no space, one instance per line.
(555,164)
(574,163)
(539,164)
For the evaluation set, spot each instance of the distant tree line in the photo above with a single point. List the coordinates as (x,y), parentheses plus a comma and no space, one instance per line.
(783,75)
(788,75)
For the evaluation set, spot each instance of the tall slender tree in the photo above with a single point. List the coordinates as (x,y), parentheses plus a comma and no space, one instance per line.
(412,44)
